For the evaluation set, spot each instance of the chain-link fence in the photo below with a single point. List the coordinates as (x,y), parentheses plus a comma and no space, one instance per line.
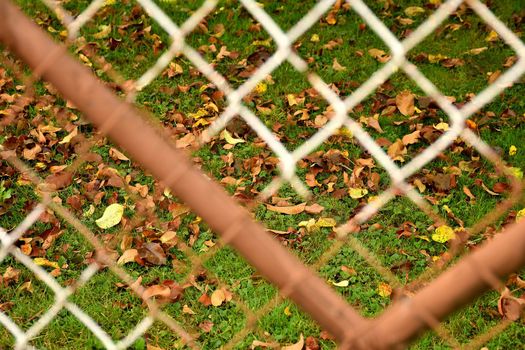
(421,305)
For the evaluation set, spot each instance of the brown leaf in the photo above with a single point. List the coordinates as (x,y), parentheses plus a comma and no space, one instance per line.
(156,290)
(469,194)
(205,299)
(314,208)
(258,343)
(311,343)
(152,253)
(405,103)
(412,138)
(128,256)
(509,306)
(116,154)
(397,150)
(30,153)
(290,210)
(59,180)
(500,187)
(297,346)
(374,123)
(206,326)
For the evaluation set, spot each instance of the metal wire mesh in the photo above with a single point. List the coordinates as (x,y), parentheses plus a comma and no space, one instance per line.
(287,160)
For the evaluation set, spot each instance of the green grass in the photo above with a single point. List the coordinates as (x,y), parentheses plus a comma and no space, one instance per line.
(137,43)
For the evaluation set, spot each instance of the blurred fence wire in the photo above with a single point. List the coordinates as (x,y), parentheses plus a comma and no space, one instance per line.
(119,120)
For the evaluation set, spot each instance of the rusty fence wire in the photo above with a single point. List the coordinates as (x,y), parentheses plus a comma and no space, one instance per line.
(433,298)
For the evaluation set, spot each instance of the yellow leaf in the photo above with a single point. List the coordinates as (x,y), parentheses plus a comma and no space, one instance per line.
(414,11)
(45,262)
(287,311)
(477,51)
(516,172)
(229,138)
(267,42)
(314,38)
(356,193)
(326,222)
(520,215)
(443,234)
(436,58)
(104,32)
(261,88)
(218,297)
(441,126)
(384,290)
(111,217)
(343,283)
(291,99)
(493,36)
(512,150)
(345,132)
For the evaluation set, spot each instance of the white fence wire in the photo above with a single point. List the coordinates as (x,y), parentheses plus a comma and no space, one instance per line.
(288,160)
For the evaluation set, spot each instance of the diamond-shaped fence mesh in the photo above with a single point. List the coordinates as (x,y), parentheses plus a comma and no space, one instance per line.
(418,303)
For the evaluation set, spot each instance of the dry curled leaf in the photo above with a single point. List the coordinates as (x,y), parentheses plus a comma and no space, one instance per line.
(297,346)
(405,103)
(152,253)
(289,210)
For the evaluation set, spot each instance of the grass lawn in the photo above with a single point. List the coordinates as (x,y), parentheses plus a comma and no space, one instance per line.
(461,58)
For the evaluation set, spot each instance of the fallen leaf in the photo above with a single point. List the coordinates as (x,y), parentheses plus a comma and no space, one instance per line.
(297,346)
(128,256)
(469,194)
(337,66)
(289,210)
(384,290)
(230,139)
(314,208)
(111,217)
(442,126)
(157,290)
(256,343)
(206,326)
(493,36)
(397,150)
(405,103)
(443,234)
(168,236)
(261,88)
(204,300)
(512,150)
(117,155)
(520,214)
(326,222)
(379,55)
(45,262)
(152,253)
(476,51)
(103,33)
(516,172)
(509,306)
(343,283)
(314,38)
(411,138)
(218,297)
(186,310)
(356,193)
(413,11)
